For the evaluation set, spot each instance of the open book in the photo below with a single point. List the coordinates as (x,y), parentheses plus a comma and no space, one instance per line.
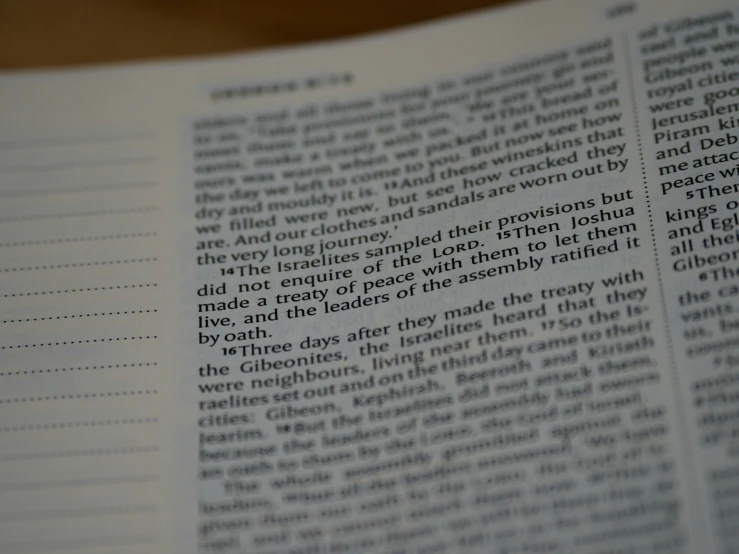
(467,287)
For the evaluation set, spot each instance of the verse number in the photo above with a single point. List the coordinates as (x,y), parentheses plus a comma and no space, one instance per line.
(561,324)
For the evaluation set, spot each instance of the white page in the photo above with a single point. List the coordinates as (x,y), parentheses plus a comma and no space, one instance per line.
(114,147)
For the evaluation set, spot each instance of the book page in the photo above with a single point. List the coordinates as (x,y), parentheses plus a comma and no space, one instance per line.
(82,341)
(390,302)
(686,142)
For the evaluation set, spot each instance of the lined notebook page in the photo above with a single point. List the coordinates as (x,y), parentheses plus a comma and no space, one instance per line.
(80,398)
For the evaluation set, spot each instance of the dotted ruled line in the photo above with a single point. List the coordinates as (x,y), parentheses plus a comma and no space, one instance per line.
(77,164)
(53,318)
(80,264)
(31,217)
(76,544)
(74,190)
(79,453)
(643,167)
(86,544)
(86,341)
(681,402)
(78,239)
(72,369)
(40,142)
(81,396)
(83,512)
(72,483)
(76,424)
(89,289)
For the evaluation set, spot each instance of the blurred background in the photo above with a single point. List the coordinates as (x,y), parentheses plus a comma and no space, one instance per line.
(58,33)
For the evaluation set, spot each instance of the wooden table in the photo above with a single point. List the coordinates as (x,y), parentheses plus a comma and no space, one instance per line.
(52,33)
